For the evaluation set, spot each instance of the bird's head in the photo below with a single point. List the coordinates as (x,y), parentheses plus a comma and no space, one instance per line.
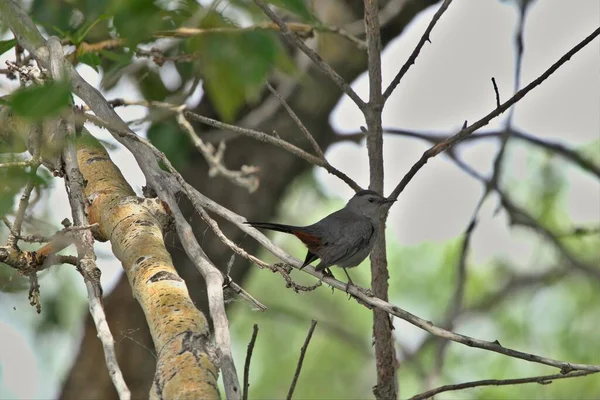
(368,203)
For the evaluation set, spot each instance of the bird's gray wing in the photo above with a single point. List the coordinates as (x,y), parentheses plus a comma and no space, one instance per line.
(347,235)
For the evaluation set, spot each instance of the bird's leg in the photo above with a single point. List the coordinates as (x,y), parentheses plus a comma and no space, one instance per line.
(349,280)
(326,272)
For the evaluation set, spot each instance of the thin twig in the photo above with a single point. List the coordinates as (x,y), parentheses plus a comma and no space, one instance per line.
(245,177)
(19,164)
(542,380)
(555,147)
(302,30)
(513,285)
(417,50)
(374,302)
(247,363)
(343,33)
(489,185)
(263,137)
(17,224)
(316,58)
(237,289)
(298,122)
(214,289)
(313,324)
(456,303)
(181,184)
(463,133)
(496,92)
(74,183)
(34,292)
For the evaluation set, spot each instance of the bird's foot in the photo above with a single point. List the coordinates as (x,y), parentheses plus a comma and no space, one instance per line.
(327,273)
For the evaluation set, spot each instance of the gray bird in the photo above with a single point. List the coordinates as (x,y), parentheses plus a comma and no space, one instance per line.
(344,238)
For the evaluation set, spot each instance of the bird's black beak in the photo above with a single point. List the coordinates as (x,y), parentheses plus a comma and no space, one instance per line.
(388,201)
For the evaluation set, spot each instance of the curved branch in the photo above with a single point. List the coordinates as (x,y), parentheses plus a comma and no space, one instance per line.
(373,302)
(316,58)
(553,146)
(466,131)
(411,60)
(542,380)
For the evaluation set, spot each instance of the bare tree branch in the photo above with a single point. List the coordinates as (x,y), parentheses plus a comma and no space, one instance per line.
(15,231)
(316,58)
(245,177)
(247,363)
(542,380)
(514,284)
(385,350)
(19,164)
(260,136)
(297,120)
(555,147)
(313,325)
(417,50)
(463,133)
(302,30)
(374,302)
(489,185)
(74,183)
(496,92)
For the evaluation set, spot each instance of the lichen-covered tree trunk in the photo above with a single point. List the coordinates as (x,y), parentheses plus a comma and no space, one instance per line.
(185,356)
(313,100)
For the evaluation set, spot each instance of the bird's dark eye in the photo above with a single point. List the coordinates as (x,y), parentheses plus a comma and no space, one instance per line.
(371,200)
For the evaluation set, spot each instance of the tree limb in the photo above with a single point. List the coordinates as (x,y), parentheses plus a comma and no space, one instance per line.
(463,133)
(313,325)
(84,240)
(542,380)
(411,60)
(385,350)
(316,58)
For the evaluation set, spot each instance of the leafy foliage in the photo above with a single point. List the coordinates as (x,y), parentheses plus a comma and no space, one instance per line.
(235,65)
(13,180)
(6,45)
(167,136)
(39,101)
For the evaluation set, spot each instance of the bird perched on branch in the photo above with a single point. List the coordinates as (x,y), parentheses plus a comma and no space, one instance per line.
(344,238)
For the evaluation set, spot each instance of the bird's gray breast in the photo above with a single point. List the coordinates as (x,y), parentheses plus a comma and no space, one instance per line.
(349,238)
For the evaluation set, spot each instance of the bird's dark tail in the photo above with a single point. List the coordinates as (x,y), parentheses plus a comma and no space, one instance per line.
(273,227)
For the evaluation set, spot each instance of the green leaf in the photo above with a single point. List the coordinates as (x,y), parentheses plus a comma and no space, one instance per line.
(136,20)
(6,45)
(53,15)
(120,58)
(168,138)
(114,64)
(38,101)
(12,181)
(152,86)
(235,65)
(91,59)
(82,32)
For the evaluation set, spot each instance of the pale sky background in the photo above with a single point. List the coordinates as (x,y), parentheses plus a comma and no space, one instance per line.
(449,83)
